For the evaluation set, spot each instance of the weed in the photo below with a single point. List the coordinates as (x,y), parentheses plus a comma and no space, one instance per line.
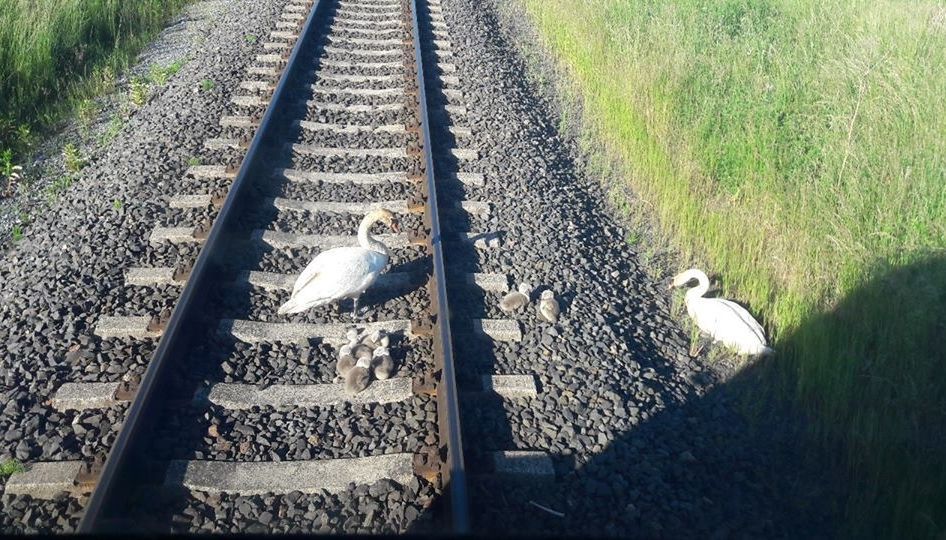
(111,131)
(72,158)
(138,91)
(696,345)
(159,75)
(103,81)
(10,173)
(24,136)
(117,204)
(86,112)
(677,302)
(10,467)
(16,233)
(58,186)
(250,38)
(193,161)
(207,85)
(17,138)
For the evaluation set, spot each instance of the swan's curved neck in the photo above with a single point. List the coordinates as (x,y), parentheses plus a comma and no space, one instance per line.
(701,288)
(367,241)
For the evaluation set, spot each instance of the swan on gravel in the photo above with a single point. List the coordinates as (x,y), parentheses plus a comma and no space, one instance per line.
(548,306)
(517,299)
(342,272)
(724,320)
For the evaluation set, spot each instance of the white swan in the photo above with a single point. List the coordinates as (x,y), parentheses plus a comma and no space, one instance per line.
(343,272)
(725,321)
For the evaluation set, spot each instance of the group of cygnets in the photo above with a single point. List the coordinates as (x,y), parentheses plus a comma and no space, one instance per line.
(346,272)
(365,354)
(548,307)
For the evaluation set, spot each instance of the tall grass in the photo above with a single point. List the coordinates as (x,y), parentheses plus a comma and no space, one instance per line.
(49,48)
(798,148)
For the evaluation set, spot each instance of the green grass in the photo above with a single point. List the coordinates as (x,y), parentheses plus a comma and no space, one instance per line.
(54,53)
(798,149)
(10,467)
(159,75)
(72,158)
(138,91)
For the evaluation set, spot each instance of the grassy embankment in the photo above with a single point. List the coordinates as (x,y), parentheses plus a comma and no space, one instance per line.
(798,149)
(55,53)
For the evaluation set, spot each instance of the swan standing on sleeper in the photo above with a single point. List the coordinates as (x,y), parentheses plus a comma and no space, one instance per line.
(342,272)
(725,321)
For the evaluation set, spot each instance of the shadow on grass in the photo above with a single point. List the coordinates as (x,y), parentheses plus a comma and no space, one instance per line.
(872,372)
(860,454)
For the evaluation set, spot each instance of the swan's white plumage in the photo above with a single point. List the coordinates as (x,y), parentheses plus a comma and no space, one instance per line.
(726,321)
(343,272)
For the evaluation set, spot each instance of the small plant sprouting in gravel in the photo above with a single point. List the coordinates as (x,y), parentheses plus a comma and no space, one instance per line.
(58,186)
(9,467)
(159,75)
(207,85)
(138,91)
(193,161)
(250,38)
(24,136)
(73,158)
(16,233)
(103,81)
(11,173)
(117,204)
(114,126)
(86,111)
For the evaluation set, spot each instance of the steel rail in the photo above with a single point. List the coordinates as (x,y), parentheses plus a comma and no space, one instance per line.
(119,469)
(453,471)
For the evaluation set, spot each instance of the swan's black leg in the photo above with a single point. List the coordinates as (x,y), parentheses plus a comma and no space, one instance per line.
(357,313)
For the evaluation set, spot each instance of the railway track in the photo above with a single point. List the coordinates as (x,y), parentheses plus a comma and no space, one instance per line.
(239,419)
